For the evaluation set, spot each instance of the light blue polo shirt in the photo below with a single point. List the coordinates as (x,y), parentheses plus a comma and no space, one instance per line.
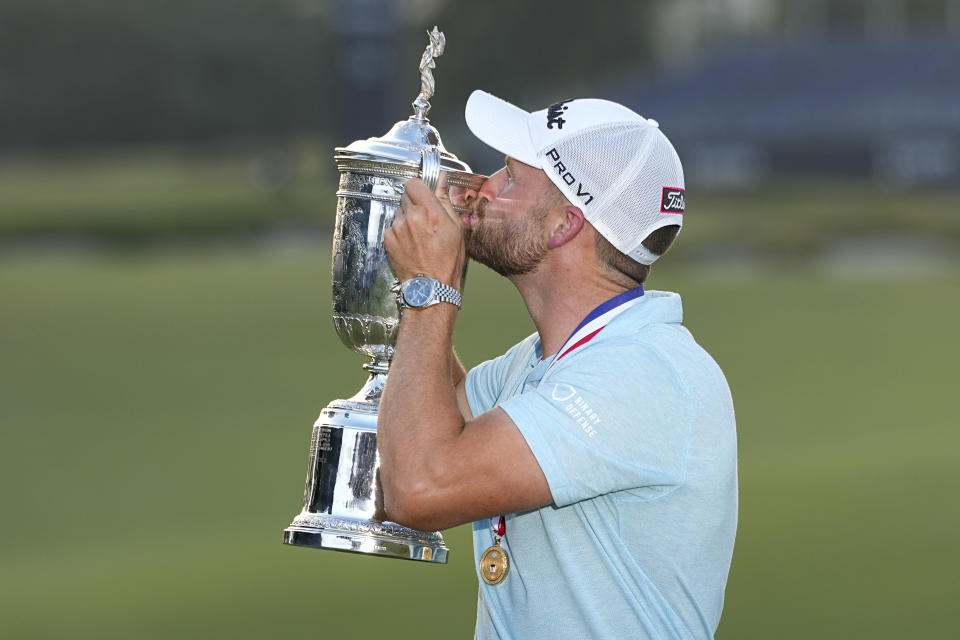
(635,434)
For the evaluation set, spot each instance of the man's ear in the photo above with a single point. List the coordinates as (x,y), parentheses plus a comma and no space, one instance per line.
(565,227)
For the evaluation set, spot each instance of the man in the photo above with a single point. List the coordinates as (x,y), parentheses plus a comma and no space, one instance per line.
(606,440)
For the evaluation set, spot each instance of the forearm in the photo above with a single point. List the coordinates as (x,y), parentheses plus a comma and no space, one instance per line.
(419,417)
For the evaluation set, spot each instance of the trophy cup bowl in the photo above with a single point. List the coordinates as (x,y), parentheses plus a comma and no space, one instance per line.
(343,501)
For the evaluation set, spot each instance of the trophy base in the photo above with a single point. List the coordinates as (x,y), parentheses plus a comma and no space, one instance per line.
(385,539)
(343,499)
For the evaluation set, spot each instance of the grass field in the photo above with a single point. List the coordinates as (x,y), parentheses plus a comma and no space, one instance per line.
(142,196)
(156,413)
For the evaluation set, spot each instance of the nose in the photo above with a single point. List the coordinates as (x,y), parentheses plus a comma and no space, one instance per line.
(462,196)
(491,188)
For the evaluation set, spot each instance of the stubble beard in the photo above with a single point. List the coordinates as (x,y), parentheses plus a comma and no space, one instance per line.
(508,249)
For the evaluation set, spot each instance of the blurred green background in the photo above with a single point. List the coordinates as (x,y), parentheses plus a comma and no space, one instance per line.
(166,208)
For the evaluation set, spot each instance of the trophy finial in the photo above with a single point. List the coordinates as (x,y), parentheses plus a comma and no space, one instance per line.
(421,106)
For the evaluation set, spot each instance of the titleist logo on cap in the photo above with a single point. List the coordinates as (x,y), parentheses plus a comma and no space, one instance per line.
(673,200)
(554,113)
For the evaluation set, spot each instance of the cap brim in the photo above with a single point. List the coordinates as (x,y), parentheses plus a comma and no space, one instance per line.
(501,125)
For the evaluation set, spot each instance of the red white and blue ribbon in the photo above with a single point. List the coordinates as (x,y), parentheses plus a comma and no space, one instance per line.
(499,526)
(596,320)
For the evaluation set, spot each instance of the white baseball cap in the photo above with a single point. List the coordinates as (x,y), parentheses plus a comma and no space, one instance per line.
(612,163)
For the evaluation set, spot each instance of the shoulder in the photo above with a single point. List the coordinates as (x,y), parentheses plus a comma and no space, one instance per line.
(629,375)
(646,346)
(646,336)
(485,382)
(525,350)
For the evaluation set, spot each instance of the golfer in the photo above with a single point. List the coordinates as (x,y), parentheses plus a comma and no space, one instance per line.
(596,458)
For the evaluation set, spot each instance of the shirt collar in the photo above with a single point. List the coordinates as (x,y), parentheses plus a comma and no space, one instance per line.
(659,307)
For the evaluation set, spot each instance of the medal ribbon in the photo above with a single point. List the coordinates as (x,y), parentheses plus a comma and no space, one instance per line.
(499,526)
(597,320)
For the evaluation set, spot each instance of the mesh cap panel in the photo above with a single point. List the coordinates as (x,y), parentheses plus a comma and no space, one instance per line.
(616,173)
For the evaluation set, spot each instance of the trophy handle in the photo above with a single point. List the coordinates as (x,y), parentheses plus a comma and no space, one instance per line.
(430,167)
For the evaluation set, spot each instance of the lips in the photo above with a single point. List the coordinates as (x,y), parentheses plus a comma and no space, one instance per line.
(472,217)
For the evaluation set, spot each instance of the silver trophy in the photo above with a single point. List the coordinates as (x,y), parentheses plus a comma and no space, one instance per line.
(343,500)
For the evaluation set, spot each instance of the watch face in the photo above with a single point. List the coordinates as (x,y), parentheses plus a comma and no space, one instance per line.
(418,291)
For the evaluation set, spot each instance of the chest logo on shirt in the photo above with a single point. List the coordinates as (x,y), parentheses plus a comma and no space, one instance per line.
(578,408)
(563,392)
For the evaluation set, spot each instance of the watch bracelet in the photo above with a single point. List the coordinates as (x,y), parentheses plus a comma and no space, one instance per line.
(442,292)
(446,293)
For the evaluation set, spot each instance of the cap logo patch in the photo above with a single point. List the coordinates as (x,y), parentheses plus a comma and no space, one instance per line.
(567,177)
(673,200)
(554,113)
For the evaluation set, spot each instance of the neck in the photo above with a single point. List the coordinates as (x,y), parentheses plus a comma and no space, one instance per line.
(559,299)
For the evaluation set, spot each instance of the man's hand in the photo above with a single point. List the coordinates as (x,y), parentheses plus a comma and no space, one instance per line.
(426,236)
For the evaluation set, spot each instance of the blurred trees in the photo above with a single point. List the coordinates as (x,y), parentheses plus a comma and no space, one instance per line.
(104,71)
(109,72)
(126,72)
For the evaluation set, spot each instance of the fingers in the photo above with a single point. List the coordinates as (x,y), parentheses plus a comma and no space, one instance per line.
(417,191)
(418,197)
(410,213)
(422,240)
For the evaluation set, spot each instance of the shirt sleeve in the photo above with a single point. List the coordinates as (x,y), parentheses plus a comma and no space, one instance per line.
(485,382)
(610,418)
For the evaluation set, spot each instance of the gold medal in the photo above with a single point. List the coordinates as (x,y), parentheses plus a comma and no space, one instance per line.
(494,564)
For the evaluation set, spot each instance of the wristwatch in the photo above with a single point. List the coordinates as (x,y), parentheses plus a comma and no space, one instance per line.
(422,292)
